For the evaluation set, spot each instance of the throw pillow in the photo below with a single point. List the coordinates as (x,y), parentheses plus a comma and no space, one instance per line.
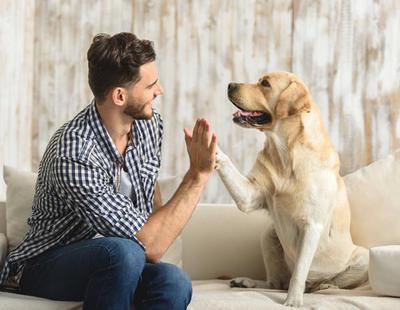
(374,198)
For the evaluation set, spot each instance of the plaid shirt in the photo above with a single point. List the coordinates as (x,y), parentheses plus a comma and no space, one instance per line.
(77,191)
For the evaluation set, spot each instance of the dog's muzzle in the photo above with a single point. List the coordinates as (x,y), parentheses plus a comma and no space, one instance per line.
(243,117)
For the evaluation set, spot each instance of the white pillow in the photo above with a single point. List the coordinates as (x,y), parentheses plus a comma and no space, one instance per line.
(19,198)
(384,270)
(374,196)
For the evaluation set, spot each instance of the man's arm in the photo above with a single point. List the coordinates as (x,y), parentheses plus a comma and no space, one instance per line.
(157,200)
(166,223)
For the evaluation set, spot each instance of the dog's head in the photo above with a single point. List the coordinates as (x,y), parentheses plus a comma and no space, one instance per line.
(276,95)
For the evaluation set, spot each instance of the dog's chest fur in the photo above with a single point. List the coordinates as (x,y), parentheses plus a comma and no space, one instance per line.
(294,193)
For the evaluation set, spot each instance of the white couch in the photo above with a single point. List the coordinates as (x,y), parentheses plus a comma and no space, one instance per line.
(220,241)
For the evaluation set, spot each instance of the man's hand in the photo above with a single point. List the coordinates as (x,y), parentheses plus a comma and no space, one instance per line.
(201,146)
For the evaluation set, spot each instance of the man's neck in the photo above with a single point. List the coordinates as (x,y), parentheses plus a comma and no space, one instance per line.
(117,124)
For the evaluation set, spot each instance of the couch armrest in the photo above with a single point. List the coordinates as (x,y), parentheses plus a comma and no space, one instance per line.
(3,249)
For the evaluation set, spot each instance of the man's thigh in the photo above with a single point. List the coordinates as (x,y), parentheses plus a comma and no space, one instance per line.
(63,272)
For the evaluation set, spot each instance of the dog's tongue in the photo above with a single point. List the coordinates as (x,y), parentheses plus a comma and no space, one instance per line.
(246,113)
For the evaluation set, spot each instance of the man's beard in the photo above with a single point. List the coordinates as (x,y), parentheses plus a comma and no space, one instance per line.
(137,111)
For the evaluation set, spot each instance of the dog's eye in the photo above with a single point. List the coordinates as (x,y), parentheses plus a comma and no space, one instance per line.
(265,83)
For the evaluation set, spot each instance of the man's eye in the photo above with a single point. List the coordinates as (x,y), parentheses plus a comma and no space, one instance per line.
(265,83)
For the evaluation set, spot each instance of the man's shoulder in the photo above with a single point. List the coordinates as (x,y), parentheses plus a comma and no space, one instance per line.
(75,138)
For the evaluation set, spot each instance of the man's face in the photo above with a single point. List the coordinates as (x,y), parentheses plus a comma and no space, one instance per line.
(143,92)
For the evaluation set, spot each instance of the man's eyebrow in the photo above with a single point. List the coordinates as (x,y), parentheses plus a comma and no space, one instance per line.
(152,84)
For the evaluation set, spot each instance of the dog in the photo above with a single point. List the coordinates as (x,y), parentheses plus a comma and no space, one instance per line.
(296,178)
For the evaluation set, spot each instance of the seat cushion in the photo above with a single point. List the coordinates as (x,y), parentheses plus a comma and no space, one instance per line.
(11,301)
(217,295)
(374,198)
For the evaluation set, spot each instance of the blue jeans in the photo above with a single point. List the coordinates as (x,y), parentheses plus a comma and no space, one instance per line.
(106,273)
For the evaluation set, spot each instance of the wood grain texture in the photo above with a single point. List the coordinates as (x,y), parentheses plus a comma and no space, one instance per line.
(63,34)
(202,46)
(16,85)
(346,51)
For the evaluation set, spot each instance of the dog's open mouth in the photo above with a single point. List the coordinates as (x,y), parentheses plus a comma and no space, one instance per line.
(252,118)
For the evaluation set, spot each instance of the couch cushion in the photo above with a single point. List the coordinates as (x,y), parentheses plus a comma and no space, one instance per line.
(384,271)
(19,198)
(3,249)
(220,240)
(11,301)
(217,295)
(3,217)
(374,197)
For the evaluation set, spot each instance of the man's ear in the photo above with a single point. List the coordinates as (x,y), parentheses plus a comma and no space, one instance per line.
(118,95)
(293,100)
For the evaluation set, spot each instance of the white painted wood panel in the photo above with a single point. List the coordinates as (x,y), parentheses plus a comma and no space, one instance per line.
(16,85)
(63,34)
(348,54)
(202,46)
(346,51)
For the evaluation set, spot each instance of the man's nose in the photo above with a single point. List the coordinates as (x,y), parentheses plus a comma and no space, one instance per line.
(160,90)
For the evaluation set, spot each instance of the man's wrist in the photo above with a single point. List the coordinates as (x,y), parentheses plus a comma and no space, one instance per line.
(196,178)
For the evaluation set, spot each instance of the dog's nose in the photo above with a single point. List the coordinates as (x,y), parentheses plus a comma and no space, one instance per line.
(232,86)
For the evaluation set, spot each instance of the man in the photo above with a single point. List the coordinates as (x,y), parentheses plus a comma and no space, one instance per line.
(94,234)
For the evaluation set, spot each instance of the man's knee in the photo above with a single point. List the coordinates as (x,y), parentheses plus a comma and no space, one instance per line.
(175,281)
(124,255)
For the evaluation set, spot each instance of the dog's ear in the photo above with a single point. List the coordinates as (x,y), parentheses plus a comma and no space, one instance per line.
(293,100)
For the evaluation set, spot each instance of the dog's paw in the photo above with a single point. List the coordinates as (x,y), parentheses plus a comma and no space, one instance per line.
(243,282)
(294,299)
(220,159)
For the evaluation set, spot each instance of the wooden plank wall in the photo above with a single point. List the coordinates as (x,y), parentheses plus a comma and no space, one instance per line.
(346,51)
(16,85)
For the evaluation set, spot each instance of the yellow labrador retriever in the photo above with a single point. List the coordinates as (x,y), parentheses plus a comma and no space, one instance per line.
(296,178)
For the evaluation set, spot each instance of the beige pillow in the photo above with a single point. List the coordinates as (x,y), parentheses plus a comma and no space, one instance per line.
(3,249)
(19,198)
(374,195)
(384,271)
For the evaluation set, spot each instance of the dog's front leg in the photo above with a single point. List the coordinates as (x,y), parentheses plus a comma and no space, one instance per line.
(308,244)
(246,194)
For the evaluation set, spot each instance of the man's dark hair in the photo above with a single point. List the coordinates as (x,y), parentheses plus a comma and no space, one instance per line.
(115,61)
